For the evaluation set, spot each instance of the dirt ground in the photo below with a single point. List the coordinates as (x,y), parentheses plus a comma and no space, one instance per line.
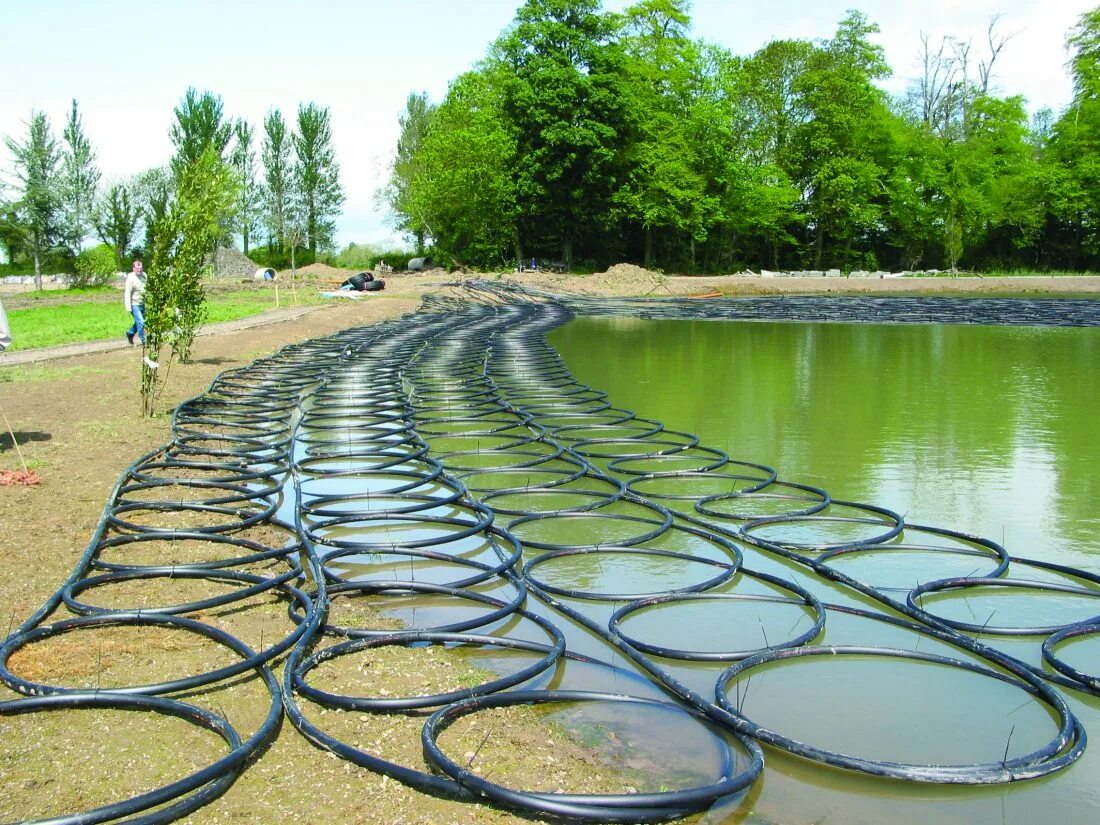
(77,424)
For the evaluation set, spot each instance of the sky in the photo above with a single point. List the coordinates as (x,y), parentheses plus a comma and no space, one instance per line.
(129,63)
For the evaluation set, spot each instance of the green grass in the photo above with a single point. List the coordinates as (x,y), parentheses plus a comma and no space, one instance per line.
(49,326)
(78,294)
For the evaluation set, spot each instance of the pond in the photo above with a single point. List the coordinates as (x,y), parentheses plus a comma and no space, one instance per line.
(983,429)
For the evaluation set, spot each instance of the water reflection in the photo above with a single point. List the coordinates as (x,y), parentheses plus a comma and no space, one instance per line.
(986,429)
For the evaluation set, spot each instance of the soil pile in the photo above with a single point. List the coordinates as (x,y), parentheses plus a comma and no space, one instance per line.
(320,270)
(620,279)
(232,263)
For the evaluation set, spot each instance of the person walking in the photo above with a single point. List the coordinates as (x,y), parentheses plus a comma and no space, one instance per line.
(133,298)
(5,330)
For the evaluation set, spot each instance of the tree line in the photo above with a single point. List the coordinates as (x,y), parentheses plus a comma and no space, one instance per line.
(287,201)
(594,137)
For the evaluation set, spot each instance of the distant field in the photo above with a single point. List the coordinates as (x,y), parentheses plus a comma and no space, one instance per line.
(87,318)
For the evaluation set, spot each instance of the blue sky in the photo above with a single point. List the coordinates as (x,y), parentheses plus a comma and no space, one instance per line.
(128,63)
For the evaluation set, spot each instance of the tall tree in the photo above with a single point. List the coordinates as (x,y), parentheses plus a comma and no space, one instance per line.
(152,191)
(79,181)
(840,146)
(36,162)
(663,187)
(199,125)
(278,184)
(564,102)
(317,175)
(1076,149)
(243,160)
(116,218)
(461,189)
(406,166)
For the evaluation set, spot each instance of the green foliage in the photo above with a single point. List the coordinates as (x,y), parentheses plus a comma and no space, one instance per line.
(354,256)
(78,182)
(175,297)
(35,170)
(316,177)
(563,99)
(621,137)
(243,161)
(278,257)
(278,185)
(199,126)
(116,217)
(401,193)
(463,193)
(95,266)
(152,192)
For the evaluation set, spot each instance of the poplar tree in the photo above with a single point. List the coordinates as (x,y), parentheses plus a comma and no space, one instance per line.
(199,124)
(316,176)
(36,170)
(278,184)
(116,218)
(79,182)
(243,160)
(408,165)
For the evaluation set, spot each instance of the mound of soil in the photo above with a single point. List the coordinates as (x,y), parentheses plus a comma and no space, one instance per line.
(321,270)
(627,272)
(232,263)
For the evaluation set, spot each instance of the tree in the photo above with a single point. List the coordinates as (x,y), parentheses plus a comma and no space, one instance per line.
(199,125)
(243,161)
(116,218)
(399,193)
(78,184)
(14,234)
(317,176)
(663,188)
(152,191)
(182,238)
(562,100)
(1075,149)
(278,186)
(460,188)
(841,167)
(36,162)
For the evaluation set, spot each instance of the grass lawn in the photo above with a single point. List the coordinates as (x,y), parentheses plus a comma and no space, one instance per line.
(71,323)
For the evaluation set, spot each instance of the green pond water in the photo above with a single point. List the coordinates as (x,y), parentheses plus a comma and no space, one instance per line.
(988,430)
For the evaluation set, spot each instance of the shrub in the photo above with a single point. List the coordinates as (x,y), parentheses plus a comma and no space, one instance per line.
(95,266)
(279,258)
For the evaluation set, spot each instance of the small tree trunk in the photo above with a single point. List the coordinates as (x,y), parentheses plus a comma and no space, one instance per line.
(37,268)
(819,246)
(567,252)
(648,254)
(517,244)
